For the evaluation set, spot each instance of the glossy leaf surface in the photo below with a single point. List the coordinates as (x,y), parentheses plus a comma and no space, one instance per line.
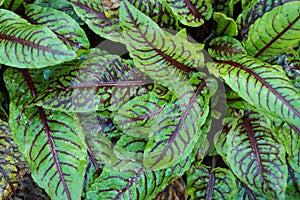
(134,184)
(262,85)
(282,25)
(12,4)
(65,27)
(179,127)
(159,12)
(163,57)
(226,48)
(92,13)
(99,83)
(63,6)
(253,11)
(137,117)
(225,25)
(191,12)
(256,155)
(51,142)
(24,45)
(216,183)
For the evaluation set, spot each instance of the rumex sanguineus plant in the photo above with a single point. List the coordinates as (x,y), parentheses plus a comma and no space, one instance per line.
(203,103)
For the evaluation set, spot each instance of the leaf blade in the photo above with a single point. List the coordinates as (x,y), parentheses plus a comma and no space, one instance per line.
(256,155)
(44,136)
(265,46)
(60,23)
(262,85)
(24,45)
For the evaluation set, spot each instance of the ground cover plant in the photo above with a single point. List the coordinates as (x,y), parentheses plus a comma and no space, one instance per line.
(188,99)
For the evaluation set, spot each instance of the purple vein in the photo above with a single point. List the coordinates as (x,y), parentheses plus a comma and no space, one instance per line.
(47,129)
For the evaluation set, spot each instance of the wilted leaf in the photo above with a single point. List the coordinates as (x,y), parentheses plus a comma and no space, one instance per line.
(52,142)
(66,28)
(256,155)
(262,85)
(191,12)
(215,183)
(24,45)
(282,25)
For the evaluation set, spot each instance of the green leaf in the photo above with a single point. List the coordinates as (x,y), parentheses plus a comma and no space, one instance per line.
(99,83)
(63,6)
(255,10)
(293,185)
(262,85)
(92,13)
(52,142)
(214,183)
(292,135)
(275,31)
(11,162)
(222,6)
(12,4)
(245,193)
(165,58)
(256,155)
(137,117)
(234,100)
(225,25)
(179,127)
(191,12)
(134,184)
(65,27)
(159,12)
(290,61)
(1,2)
(24,45)
(226,48)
